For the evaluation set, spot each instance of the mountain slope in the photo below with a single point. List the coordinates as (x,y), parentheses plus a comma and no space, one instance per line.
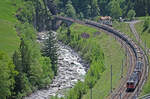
(8,35)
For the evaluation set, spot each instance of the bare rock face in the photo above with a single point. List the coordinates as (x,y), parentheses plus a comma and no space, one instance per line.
(71,68)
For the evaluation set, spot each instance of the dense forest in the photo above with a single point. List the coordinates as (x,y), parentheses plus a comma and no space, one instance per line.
(31,68)
(94,8)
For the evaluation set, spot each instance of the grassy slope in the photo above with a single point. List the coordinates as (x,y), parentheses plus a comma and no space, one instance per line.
(113,55)
(145,36)
(8,36)
(124,27)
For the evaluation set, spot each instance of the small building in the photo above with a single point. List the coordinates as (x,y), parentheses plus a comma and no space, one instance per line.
(106,20)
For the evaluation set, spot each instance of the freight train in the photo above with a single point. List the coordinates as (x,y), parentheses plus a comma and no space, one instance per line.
(135,77)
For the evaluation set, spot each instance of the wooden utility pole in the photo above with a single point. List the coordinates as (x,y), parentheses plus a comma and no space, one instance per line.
(91,93)
(91,89)
(145,46)
(122,69)
(120,95)
(125,57)
(111,77)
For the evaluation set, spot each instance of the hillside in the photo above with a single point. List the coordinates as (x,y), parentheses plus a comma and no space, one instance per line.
(9,41)
(23,69)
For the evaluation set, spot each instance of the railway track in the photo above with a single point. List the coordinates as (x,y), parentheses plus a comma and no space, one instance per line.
(139,40)
(121,93)
(147,96)
(122,88)
(131,63)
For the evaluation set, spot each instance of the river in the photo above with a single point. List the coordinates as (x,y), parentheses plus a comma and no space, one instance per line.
(71,68)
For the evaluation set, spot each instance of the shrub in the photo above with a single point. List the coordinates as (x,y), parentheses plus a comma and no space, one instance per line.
(131,14)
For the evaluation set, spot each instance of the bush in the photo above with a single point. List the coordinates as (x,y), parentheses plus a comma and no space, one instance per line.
(131,14)
(146,24)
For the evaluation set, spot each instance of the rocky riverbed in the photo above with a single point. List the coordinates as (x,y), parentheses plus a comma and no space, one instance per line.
(71,68)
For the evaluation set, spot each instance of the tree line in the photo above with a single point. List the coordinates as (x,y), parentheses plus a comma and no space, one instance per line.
(94,8)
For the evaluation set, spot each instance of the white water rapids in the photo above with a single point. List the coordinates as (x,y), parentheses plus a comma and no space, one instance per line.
(71,68)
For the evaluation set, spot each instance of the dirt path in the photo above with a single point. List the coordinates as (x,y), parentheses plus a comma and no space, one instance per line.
(131,24)
(133,30)
(136,34)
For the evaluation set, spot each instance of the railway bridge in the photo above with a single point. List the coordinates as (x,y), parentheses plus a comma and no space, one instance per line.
(58,20)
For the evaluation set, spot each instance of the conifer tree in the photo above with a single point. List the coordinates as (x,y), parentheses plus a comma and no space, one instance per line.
(25,59)
(50,50)
(115,10)
(95,11)
(18,67)
(70,11)
(7,74)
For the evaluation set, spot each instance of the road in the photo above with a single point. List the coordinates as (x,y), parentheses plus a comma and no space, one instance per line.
(136,34)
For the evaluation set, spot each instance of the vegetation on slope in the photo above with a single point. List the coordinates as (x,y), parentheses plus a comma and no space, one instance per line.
(7,74)
(32,70)
(35,71)
(114,55)
(144,35)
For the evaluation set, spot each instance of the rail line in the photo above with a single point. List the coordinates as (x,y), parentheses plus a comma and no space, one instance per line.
(139,40)
(122,88)
(132,61)
(118,93)
(147,96)
(130,45)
